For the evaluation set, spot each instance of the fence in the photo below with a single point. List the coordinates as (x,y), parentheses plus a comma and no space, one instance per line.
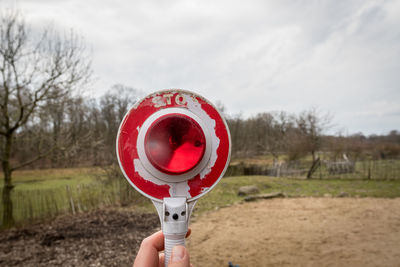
(35,205)
(371,169)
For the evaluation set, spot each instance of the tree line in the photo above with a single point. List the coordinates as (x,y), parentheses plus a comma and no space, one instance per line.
(296,136)
(74,131)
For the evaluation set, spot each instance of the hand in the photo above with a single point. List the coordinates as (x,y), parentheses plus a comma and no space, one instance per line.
(149,256)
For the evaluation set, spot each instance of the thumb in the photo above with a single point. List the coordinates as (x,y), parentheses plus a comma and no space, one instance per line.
(179,257)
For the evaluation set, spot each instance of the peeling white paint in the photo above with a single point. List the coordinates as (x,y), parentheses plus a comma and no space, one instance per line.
(139,168)
(194,106)
(181,189)
(175,189)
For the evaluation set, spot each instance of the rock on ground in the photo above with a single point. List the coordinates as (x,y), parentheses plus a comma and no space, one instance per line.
(248,190)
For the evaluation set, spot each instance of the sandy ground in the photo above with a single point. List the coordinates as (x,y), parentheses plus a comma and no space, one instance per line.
(300,232)
(277,232)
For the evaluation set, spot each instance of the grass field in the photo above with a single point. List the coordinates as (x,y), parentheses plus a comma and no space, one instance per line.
(43,194)
(365,169)
(225,193)
(52,178)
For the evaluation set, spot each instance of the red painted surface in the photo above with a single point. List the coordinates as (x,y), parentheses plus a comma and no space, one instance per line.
(128,135)
(128,152)
(196,184)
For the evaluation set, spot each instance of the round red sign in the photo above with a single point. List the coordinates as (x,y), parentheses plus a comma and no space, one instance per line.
(173,143)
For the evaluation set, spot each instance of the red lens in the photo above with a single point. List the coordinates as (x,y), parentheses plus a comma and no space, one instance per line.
(175,143)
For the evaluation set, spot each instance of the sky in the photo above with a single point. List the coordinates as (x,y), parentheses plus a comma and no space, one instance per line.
(341,57)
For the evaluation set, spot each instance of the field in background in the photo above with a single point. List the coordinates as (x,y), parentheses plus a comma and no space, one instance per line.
(43,194)
(226,192)
(324,169)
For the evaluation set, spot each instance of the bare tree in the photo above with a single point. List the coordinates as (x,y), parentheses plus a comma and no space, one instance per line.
(280,125)
(311,125)
(238,134)
(113,106)
(33,71)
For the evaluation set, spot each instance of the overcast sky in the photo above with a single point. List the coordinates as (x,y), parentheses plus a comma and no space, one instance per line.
(342,57)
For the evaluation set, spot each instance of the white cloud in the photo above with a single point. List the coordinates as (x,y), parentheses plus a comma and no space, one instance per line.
(342,56)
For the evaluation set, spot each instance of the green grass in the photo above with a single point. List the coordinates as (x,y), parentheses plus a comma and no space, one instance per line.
(225,193)
(27,180)
(41,194)
(51,178)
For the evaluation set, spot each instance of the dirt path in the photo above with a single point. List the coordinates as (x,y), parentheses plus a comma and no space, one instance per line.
(101,238)
(300,232)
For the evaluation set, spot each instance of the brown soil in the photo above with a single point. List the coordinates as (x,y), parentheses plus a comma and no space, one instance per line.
(277,232)
(100,238)
(300,232)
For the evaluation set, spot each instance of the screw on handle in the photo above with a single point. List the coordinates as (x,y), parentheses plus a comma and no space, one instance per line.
(169,244)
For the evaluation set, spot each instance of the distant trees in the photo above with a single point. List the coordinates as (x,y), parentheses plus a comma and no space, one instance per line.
(279,133)
(360,147)
(261,134)
(304,137)
(36,72)
(81,132)
(77,131)
(278,136)
(111,109)
(311,126)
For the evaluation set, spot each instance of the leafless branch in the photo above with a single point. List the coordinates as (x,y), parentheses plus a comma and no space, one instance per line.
(33,160)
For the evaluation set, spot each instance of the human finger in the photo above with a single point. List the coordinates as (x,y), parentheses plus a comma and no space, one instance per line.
(179,257)
(148,251)
(161,260)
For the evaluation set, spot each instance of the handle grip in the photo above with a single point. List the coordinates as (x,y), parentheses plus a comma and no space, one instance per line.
(174,213)
(169,243)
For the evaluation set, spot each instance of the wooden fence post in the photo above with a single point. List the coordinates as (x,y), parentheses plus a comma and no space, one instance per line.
(71,200)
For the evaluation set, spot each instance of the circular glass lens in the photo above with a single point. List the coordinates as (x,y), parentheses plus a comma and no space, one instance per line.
(175,143)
